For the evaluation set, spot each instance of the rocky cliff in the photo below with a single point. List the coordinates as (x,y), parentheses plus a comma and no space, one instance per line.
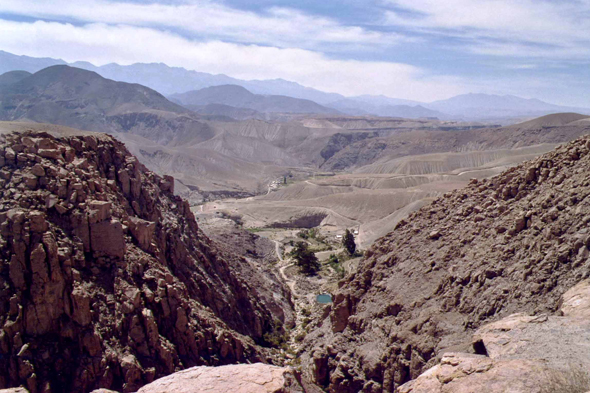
(512,243)
(106,279)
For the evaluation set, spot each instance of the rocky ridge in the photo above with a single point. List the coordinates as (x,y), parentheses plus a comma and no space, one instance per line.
(521,354)
(512,243)
(106,281)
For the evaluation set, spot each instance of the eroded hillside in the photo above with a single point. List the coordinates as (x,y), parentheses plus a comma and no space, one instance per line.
(107,281)
(512,243)
(548,129)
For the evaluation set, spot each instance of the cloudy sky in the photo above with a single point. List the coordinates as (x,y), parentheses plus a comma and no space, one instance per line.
(415,49)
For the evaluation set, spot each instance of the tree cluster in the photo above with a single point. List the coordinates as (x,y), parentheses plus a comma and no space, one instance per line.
(304,258)
(348,242)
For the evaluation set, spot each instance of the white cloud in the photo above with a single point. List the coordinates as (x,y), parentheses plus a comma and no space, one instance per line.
(101,44)
(276,26)
(538,28)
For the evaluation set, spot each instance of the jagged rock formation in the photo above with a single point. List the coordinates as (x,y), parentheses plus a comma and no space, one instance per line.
(106,279)
(512,243)
(243,378)
(521,354)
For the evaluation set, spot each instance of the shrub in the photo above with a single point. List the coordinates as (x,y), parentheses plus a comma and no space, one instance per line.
(234,217)
(278,337)
(306,321)
(300,337)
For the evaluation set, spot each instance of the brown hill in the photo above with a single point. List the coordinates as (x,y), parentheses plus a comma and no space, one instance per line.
(107,281)
(11,77)
(239,97)
(555,120)
(512,243)
(83,99)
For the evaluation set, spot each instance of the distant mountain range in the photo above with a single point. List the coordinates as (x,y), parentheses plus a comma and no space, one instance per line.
(170,80)
(240,97)
(487,106)
(385,106)
(83,99)
(176,80)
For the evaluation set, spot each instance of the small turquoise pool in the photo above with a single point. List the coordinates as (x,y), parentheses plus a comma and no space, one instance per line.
(324,298)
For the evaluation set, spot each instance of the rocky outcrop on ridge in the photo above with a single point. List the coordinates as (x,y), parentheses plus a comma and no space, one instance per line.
(106,281)
(512,243)
(521,354)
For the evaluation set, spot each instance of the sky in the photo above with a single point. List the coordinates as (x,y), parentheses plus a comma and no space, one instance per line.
(422,50)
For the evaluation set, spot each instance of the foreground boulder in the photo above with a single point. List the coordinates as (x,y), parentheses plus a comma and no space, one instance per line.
(243,378)
(520,354)
(106,281)
(514,243)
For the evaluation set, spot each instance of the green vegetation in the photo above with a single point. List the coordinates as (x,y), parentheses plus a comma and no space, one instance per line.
(256,229)
(234,217)
(333,259)
(305,258)
(348,242)
(335,264)
(300,337)
(321,247)
(312,233)
(306,321)
(278,337)
(318,241)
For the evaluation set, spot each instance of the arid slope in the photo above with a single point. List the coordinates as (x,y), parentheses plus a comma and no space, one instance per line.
(512,243)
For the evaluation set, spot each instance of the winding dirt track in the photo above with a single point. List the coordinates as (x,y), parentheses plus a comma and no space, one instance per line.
(278,250)
(290,282)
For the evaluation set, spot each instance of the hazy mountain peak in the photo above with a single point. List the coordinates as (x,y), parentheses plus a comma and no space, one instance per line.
(11,77)
(239,97)
(490,106)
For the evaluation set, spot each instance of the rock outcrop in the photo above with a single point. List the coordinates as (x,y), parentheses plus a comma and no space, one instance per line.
(243,378)
(510,244)
(106,281)
(520,354)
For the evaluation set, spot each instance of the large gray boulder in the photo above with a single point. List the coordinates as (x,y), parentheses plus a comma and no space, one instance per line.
(240,378)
